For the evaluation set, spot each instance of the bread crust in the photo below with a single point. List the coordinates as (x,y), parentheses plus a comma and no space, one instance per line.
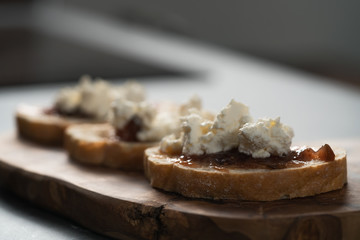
(95,144)
(46,129)
(255,185)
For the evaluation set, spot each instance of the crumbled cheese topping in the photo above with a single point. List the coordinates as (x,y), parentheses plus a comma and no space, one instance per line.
(130,90)
(68,99)
(232,128)
(265,137)
(124,110)
(95,97)
(157,122)
(164,123)
(203,136)
(193,104)
(223,133)
(172,144)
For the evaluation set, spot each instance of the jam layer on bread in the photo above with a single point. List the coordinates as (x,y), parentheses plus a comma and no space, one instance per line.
(233,159)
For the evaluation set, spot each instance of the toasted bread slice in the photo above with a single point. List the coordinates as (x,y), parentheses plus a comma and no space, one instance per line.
(96,144)
(35,125)
(164,172)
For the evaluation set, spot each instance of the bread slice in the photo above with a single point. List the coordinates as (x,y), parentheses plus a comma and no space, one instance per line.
(48,129)
(164,172)
(96,144)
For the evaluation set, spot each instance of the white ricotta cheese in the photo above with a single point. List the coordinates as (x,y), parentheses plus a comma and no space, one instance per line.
(193,104)
(164,123)
(157,122)
(203,136)
(68,99)
(264,138)
(232,128)
(95,97)
(223,134)
(171,144)
(130,90)
(193,130)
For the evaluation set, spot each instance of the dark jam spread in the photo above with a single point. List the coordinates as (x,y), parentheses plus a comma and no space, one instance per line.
(236,160)
(77,113)
(129,132)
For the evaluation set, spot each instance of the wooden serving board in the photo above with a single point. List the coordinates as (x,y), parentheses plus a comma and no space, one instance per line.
(123,205)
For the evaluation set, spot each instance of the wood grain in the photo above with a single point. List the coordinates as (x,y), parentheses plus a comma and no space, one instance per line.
(123,205)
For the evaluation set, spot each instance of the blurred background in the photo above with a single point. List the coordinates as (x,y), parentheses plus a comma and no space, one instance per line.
(37,43)
(299,60)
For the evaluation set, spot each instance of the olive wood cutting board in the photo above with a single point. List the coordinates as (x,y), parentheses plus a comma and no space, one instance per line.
(124,206)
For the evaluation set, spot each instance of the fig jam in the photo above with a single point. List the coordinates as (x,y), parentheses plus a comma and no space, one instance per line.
(234,159)
(129,132)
